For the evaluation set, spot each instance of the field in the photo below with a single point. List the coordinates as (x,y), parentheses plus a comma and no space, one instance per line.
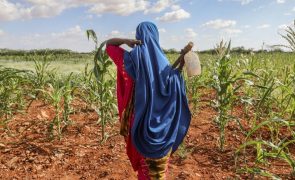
(55,124)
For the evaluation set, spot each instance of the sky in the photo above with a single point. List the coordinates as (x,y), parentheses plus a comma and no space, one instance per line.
(39,24)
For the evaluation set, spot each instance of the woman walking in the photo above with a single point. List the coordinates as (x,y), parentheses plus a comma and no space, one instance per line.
(152,102)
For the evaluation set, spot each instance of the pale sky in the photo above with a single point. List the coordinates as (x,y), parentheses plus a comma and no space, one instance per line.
(35,24)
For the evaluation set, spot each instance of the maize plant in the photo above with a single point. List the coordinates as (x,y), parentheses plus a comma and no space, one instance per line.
(55,93)
(59,94)
(289,36)
(274,148)
(106,84)
(247,98)
(264,84)
(41,69)
(39,77)
(291,94)
(67,98)
(257,171)
(89,86)
(193,83)
(11,94)
(86,76)
(225,86)
(286,94)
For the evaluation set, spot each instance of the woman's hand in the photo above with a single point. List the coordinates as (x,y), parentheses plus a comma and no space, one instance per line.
(132,42)
(180,60)
(187,48)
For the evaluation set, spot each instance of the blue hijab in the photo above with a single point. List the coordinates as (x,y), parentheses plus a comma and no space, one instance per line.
(162,115)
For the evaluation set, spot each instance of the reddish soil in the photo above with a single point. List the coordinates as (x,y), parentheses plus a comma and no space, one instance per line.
(26,152)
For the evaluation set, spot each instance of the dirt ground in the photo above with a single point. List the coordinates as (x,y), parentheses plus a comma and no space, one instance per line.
(27,153)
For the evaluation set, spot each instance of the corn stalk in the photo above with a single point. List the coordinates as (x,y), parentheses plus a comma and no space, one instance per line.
(288,36)
(11,92)
(59,93)
(106,84)
(67,98)
(276,147)
(225,87)
(265,84)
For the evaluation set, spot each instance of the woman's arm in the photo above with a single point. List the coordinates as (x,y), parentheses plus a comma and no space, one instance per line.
(119,41)
(180,59)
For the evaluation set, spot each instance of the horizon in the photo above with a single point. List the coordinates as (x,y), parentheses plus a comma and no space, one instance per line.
(37,24)
(266,49)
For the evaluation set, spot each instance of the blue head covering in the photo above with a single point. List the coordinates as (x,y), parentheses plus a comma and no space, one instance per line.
(162,116)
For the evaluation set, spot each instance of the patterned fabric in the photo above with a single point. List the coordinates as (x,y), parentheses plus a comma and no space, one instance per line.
(154,169)
(124,93)
(143,171)
(158,168)
(148,168)
(161,115)
(126,116)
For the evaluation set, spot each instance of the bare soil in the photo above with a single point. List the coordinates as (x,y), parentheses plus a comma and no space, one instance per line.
(26,152)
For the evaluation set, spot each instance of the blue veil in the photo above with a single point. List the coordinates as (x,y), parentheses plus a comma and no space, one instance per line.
(162,115)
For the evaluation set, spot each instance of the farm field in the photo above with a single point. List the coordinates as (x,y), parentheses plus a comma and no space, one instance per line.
(65,113)
(61,67)
(55,124)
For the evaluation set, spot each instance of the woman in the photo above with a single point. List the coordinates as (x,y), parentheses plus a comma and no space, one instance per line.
(152,103)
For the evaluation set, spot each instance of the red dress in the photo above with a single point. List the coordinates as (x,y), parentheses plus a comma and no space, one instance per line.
(124,91)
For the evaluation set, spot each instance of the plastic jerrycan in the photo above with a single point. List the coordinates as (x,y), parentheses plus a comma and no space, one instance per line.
(192,64)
